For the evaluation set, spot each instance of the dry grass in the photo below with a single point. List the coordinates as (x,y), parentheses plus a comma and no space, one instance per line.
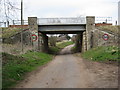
(15,49)
(8,32)
(110,29)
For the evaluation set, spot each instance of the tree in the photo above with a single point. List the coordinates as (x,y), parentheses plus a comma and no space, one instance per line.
(52,40)
(68,37)
(8,10)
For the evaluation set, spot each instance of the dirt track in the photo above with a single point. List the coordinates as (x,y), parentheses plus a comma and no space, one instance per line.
(70,71)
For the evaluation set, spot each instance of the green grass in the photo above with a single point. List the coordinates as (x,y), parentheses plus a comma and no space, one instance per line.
(73,49)
(108,53)
(15,67)
(64,44)
(56,50)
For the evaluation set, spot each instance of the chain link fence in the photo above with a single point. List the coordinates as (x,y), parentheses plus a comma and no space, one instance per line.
(13,45)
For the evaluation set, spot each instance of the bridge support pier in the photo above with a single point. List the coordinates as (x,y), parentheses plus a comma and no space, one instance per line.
(90,25)
(78,43)
(33,28)
(45,46)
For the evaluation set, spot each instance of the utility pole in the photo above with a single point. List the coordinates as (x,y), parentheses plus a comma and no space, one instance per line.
(22,25)
(119,13)
(21,12)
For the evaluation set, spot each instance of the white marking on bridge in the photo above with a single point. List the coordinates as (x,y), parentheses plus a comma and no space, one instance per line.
(47,21)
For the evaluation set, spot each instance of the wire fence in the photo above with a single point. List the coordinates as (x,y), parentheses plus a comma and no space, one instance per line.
(15,44)
(103,19)
(18,22)
(71,20)
(13,22)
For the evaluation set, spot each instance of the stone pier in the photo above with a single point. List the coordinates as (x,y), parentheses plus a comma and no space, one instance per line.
(90,25)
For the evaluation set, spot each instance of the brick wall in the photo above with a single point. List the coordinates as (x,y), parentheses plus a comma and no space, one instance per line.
(19,26)
(102,24)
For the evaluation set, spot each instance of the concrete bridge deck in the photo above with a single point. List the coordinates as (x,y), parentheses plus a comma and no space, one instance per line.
(61,25)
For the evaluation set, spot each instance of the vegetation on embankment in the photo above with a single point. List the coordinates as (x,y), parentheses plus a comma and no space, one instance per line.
(102,54)
(59,46)
(15,67)
(110,29)
(8,32)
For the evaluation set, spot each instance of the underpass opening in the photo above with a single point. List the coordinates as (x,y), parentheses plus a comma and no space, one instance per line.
(78,42)
(63,29)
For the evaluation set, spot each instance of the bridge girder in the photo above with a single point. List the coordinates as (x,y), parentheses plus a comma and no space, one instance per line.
(62,28)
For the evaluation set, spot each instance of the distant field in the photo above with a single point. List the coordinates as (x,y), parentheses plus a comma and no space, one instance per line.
(64,44)
(59,46)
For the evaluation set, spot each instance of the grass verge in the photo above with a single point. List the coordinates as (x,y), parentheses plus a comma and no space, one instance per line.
(64,44)
(106,53)
(15,67)
(56,50)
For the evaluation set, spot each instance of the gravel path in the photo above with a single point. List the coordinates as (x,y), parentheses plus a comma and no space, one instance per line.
(66,71)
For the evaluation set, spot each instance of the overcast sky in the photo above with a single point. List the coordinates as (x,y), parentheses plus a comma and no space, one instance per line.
(70,8)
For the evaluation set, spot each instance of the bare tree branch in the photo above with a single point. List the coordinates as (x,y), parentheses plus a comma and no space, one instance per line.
(8,10)
(12,7)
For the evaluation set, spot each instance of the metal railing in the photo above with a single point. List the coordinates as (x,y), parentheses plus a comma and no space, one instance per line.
(78,20)
(18,22)
(103,19)
(13,22)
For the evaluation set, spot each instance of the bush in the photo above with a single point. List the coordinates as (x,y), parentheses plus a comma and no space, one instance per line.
(52,41)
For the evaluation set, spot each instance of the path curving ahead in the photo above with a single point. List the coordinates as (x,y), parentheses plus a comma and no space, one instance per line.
(65,71)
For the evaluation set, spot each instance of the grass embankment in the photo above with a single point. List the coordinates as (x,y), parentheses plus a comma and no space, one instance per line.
(8,32)
(15,67)
(110,29)
(56,50)
(108,53)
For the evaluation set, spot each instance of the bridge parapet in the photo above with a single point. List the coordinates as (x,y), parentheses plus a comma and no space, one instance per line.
(77,20)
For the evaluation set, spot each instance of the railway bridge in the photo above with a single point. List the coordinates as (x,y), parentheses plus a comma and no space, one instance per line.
(80,25)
